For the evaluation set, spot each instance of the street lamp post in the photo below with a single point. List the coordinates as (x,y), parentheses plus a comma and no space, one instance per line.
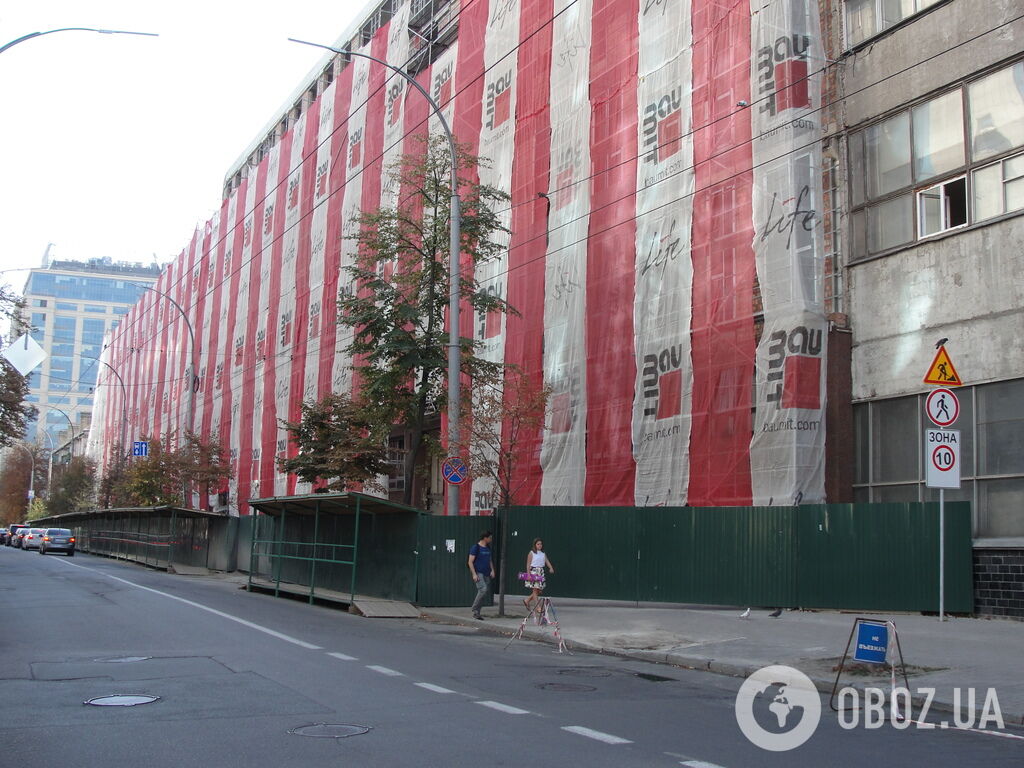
(455,252)
(124,399)
(31,35)
(49,466)
(193,379)
(32,472)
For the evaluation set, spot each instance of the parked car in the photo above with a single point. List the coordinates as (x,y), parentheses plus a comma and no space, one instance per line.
(33,538)
(12,534)
(57,540)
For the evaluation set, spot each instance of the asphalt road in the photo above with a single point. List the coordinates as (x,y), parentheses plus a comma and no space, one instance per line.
(236,672)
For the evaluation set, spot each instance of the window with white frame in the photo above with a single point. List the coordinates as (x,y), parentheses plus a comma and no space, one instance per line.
(948,162)
(867,18)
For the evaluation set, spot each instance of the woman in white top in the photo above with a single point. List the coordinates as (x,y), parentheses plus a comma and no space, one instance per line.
(536,562)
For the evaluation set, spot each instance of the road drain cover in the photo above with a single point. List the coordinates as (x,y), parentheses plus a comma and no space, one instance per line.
(122,700)
(566,687)
(585,672)
(654,678)
(123,659)
(330,730)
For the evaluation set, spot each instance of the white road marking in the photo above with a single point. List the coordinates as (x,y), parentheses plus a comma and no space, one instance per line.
(699,764)
(503,708)
(343,656)
(385,670)
(200,606)
(435,688)
(607,738)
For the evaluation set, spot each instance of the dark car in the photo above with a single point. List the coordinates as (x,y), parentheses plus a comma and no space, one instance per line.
(12,534)
(3,535)
(57,540)
(19,536)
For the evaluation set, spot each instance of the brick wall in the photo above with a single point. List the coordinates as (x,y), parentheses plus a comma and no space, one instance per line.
(999,582)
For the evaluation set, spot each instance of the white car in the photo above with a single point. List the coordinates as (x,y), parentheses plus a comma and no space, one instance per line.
(33,538)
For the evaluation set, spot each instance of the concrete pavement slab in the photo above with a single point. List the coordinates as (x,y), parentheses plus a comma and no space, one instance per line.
(958,653)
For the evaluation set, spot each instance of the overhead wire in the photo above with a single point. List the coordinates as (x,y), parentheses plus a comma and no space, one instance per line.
(366,166)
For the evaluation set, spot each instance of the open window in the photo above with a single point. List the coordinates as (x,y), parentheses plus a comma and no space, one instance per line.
(942,207)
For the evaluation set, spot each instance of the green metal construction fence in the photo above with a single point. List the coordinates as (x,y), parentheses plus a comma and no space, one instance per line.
(153,536)
(844,556)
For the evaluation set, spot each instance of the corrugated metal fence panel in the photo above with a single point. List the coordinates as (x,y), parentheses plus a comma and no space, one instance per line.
(856,557)
(444,578)
(593,549)
(245,532)
(884,557)
(386,565)
(724,555)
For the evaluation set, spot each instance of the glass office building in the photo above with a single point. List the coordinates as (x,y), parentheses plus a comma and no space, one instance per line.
(70,306)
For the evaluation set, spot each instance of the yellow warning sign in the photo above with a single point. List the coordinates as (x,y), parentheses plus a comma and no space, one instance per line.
(942,371)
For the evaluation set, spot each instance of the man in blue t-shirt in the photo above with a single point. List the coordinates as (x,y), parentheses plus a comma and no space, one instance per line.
(482,568)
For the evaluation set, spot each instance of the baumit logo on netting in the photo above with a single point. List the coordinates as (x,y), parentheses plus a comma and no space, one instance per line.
(394,102)
(794,368)
(782,74)
(663,382)
(662,125)
(441,89)
(355,146)
(498,100)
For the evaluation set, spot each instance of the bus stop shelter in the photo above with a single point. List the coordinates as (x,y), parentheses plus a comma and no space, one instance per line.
(335,546)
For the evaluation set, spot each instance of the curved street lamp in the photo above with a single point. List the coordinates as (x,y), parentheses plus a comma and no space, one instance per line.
(455,253)
(31,35)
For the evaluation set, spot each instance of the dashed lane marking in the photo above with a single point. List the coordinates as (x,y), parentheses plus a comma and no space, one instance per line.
(503,707)
(200,606)
(699,764)
(343,656)
(385,670)
(435,688)
(590,733)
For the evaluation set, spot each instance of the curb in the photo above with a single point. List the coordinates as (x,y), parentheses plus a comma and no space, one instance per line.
(725,668)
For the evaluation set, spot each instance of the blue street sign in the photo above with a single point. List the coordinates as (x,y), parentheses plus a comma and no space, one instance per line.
(454,470)
(872,642)
(140,448)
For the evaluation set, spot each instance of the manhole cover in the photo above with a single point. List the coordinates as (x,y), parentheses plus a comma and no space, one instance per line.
(123,659)
(566,687)
(122,700)
(585,672)
(330,730)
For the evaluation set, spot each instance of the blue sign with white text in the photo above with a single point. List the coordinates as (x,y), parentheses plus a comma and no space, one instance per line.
(872,642)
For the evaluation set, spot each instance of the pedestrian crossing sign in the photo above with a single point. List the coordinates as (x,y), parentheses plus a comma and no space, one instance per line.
(942,371)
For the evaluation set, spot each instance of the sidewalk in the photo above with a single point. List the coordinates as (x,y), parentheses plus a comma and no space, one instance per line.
(958,653)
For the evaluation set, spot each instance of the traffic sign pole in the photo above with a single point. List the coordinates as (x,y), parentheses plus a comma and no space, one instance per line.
(942,553)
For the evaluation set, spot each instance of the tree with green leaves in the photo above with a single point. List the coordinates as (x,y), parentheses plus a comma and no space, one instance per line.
(162,477)
(497,413)
(337,442)
(15,411)
(73,489)
(396,302)
(18,463)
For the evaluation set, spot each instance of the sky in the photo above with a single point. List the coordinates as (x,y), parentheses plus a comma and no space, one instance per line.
(116,145)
